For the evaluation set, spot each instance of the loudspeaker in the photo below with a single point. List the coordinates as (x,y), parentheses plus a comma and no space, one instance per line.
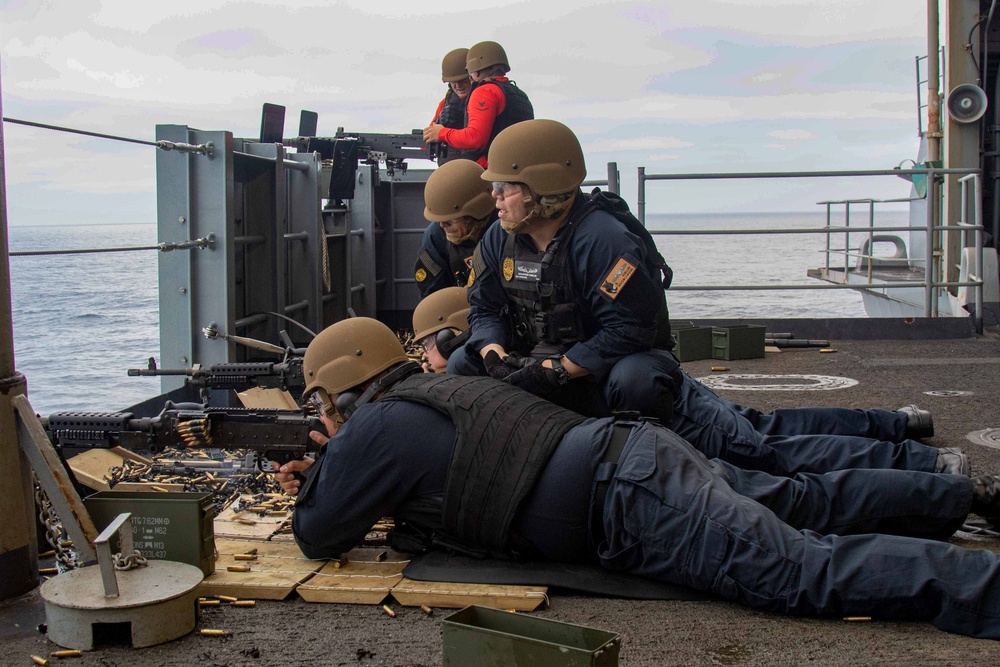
(966,103)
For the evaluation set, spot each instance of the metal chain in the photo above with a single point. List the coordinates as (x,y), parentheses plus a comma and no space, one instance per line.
(131,562)
(65,557)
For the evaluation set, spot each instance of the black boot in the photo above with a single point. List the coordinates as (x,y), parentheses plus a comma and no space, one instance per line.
(952,461)
(986,497)
(919,423)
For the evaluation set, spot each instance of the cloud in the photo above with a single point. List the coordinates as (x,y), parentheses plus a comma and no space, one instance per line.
(639,143)
(705,85)
(791,135)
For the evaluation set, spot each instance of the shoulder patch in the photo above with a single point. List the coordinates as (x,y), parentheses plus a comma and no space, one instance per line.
(478,264)
(617,278)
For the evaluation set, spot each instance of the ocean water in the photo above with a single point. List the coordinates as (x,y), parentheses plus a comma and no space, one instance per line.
(80,321)
(777,259)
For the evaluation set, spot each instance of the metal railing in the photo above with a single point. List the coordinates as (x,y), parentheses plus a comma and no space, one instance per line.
(933,279)
(612,183)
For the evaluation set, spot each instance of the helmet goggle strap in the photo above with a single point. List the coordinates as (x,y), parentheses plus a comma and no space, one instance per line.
(320,401)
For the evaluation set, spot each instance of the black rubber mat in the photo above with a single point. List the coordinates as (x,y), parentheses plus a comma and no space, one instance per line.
(592,579)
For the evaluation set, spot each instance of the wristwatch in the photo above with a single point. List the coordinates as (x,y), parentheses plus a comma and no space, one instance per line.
(561,373)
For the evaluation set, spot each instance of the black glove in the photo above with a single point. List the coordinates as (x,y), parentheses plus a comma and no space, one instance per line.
(536,379)
(498,368)
(515,360)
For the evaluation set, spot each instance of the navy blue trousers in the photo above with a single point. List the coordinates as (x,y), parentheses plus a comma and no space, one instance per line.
(871,423)
(672,515)
(718,430)
(829,439)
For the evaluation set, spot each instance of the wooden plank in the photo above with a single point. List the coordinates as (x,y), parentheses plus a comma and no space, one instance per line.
(412,593)
(230,524)
(232,547)
(355,582)
(131,456)
(91,467)
(278,569)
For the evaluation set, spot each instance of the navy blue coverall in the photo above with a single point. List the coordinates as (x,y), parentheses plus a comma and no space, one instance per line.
(805,545)
(627,374)
(617,333)
(719,429)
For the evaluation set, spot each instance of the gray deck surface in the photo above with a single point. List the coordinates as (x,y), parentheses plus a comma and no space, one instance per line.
(890,374)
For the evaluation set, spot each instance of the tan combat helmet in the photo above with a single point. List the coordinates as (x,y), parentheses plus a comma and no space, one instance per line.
(484,54)
(453,66)
(543,154)
(446,308)
(349,352)
(455,190)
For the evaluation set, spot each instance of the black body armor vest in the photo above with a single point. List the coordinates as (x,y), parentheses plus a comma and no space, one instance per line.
(542,290)
(454,115)
(460,257)
(504,438)
(517,107)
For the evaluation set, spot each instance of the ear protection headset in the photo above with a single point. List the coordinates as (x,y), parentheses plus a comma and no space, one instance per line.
(447,341)
(350,400)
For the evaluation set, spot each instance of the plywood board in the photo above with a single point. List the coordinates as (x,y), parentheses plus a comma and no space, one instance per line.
(412,593)
(233,525)
(273,399)
(278,569)
(354,582)
(91,467)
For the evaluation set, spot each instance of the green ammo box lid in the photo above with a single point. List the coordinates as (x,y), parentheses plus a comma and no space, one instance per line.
(172,526)
(478,636)
(692,343)
(741,341)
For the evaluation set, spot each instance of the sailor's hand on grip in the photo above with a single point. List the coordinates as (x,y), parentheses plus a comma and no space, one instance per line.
(289,476)
(498,367)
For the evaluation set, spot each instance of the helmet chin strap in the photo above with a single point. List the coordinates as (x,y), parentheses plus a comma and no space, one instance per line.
(548,207)
(534,212)
(476,229)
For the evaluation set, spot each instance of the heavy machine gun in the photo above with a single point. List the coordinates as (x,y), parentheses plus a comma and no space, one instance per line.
(240,376)
(286,375)
(272,435)
(344,150)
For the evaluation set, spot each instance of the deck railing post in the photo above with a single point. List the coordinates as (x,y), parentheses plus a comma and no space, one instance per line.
(18,546)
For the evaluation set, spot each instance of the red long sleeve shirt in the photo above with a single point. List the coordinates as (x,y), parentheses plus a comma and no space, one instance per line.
(485,103)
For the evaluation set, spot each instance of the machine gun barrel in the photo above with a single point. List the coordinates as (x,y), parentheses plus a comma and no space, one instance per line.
(285,375)
(273,435)
(389,148)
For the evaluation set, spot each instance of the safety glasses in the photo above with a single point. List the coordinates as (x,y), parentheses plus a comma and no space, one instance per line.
(498,187)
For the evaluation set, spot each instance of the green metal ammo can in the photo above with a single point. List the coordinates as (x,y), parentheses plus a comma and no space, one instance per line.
(478,636)
(172,526)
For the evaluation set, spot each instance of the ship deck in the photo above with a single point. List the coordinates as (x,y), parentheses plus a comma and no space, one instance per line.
(963,374)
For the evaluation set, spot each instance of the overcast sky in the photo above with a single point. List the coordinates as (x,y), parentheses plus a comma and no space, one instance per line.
(671,85)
